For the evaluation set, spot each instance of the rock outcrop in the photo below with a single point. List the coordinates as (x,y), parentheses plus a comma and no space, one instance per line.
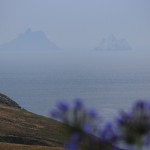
(5,100)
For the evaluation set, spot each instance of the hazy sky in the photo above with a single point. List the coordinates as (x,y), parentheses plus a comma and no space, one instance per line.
(78,23)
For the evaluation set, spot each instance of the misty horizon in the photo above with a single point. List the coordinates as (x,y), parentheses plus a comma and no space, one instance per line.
(111,76)
(37,40)
(78,24)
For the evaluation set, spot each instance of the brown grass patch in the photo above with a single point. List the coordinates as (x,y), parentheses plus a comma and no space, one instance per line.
(7,146)
(25,126)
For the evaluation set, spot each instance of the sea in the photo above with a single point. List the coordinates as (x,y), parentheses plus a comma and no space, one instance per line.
(107,81)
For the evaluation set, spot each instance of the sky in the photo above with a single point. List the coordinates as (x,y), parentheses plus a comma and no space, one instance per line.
(73,24)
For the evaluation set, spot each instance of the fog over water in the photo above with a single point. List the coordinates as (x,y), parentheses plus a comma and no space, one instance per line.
(105,80)
(92,59)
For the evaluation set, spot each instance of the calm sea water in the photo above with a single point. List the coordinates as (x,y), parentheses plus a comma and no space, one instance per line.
(106,81)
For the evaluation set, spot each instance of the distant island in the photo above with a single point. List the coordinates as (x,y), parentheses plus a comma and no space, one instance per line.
(30,41)
(111,43)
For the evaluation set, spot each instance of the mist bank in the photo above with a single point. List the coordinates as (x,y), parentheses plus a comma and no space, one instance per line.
(38,79)
(76,61)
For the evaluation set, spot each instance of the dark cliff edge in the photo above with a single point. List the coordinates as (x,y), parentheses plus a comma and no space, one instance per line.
(5,100)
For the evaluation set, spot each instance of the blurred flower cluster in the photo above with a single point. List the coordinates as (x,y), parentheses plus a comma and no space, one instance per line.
(130,130)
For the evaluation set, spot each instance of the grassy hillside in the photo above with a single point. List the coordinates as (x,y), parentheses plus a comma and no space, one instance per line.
(18,126)
(6,146)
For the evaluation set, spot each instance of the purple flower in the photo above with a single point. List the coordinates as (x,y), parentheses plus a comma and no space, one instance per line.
(61,112)
(87,128)
(117,148)
(135,126)
(76,137)
(140,105)
(108,134)
(62,106)
(124,119)
(92,114)
(72,146)
(78,104)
